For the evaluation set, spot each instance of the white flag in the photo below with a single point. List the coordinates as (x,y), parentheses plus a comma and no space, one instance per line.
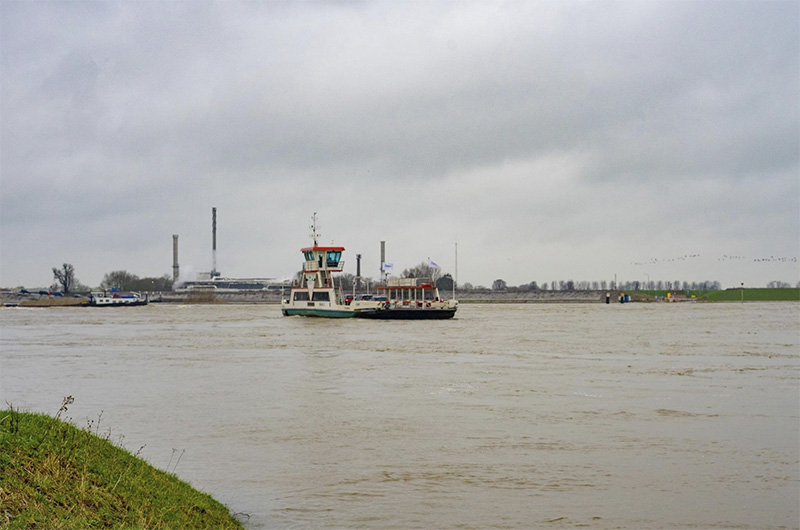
(387,267)
(432,264)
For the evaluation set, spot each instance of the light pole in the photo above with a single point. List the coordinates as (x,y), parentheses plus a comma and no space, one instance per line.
(742,293)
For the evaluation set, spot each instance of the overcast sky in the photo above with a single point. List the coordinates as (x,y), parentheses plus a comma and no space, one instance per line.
(550,140)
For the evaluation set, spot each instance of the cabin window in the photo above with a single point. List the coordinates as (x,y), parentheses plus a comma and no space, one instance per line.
(321,296)
(333,257)
(309,255)
(300,295)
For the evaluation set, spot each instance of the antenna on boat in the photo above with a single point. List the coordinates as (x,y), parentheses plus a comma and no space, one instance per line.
(314,228)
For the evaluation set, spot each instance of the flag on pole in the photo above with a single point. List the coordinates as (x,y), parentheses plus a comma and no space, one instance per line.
(387,267)
(432,264)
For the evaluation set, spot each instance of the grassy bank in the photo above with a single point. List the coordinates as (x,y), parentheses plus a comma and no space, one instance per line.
(728,295)
(52,302)
(55,475)
(751,295)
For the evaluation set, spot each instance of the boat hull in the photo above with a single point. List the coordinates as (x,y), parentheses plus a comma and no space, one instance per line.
(317,312)
(122,304)
(407,314)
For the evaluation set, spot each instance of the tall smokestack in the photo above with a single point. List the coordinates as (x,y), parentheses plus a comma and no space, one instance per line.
(176,270)
(214,242)
(357,284)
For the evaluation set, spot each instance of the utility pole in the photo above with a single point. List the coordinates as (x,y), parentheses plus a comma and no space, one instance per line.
(455,279)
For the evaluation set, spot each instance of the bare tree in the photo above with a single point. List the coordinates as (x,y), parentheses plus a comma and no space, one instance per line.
(423,270)
(499,285)
(65,276)
(126,281)
(122,280)
(445,283)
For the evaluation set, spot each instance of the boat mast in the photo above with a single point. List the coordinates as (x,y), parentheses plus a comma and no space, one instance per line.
(314,228)
(306,281)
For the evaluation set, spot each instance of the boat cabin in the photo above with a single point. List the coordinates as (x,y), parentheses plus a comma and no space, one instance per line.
(409,291)
(316,293)
(319,266)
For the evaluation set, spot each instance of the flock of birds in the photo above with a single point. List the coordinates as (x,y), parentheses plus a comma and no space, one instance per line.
(724,257)
(781,260)
(654,261)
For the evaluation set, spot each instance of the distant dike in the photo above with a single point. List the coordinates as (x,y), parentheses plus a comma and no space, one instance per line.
(463,297)
(274,297)
(485,296)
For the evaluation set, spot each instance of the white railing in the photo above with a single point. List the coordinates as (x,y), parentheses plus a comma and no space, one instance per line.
(314,266)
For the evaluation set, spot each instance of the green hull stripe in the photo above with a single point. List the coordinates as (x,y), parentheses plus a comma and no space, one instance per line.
(330,313)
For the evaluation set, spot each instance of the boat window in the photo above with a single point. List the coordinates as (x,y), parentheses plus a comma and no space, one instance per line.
(300,295)
(321,296)
(309,255)
(333,257)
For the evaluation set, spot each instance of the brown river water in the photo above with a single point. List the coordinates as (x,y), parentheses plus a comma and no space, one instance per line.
(508,416)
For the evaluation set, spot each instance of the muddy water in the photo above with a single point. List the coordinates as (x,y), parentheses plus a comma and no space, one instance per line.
(510,416)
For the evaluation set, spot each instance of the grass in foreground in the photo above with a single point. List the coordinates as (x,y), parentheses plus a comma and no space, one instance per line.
(54,475)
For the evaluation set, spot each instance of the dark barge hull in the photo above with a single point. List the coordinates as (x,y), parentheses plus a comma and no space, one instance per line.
(406,314)
(129,304)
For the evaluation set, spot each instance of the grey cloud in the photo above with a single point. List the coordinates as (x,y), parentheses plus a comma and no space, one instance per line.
(119,108)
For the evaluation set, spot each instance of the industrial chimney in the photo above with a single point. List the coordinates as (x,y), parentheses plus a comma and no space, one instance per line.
(214,272)
(176,270)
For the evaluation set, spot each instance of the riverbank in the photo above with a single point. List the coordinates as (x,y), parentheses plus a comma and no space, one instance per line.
(465,297)
(58,476)
(488,296)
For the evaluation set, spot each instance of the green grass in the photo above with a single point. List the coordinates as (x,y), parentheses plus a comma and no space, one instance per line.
(651,295)
(727,295)
(750,295)
(55,475)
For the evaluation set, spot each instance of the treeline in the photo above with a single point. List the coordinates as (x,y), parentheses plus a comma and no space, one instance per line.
(64,277)
(424,271)
(125,281)
(444,281)
(603,285)
(781,285)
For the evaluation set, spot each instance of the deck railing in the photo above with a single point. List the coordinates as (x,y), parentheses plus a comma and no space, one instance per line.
(329,266)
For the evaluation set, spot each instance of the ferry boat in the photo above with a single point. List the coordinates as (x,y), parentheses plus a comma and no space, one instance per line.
(410,299)
(316,294)
(105,299)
